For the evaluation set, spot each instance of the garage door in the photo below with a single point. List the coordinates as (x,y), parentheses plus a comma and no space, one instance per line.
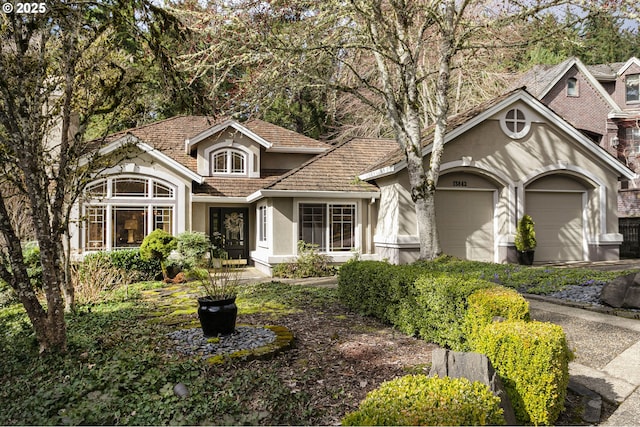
(465,223)
(558,225)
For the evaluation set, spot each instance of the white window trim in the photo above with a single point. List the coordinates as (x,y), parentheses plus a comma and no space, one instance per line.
(576,89)
(110,203)
(514,134)
(357,230)
(637,77)
(251,169)
(263,243)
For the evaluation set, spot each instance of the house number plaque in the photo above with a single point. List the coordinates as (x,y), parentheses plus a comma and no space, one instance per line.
(459,183)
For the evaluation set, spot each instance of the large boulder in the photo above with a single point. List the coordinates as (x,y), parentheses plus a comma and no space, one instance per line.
(622,292)
(474,367)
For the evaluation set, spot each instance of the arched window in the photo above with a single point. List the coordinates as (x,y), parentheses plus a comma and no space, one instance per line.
(229,161)
(120,211)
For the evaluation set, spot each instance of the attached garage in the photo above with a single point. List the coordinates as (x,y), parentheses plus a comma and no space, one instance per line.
(556,206)
(465,216)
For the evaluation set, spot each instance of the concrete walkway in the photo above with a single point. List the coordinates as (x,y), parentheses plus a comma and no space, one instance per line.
(607,350)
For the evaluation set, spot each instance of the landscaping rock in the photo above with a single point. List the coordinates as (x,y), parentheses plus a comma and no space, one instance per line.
(181,390)
(622,292)
(474,367)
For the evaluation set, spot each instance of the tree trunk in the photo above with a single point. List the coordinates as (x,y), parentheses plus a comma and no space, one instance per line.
(49,326)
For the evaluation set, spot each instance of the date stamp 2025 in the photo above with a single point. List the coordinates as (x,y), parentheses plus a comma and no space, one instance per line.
(24,8)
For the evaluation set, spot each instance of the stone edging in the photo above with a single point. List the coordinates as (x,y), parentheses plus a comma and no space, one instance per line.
(284,341)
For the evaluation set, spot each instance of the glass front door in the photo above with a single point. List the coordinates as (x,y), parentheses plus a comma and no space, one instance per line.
(230,226)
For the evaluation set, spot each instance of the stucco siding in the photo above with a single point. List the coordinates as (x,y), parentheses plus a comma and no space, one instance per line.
(485,156)
(284,240)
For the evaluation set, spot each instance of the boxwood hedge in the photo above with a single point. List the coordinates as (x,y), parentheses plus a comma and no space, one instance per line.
(415,400)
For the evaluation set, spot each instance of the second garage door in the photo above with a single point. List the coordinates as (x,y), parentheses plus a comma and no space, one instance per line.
(558,225)
(465,223)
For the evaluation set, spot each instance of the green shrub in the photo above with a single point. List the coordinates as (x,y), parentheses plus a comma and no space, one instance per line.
(131,260)
(532,359)
(158,245)
(309,263)
(486,304)
(95,275)
(420,400)
(375,288)
(441,306)
(525,238)
(193,246)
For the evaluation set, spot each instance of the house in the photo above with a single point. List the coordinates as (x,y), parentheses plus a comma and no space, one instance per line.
(264,188)
(603,102)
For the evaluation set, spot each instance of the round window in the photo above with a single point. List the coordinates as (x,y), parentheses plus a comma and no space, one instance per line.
(515,123)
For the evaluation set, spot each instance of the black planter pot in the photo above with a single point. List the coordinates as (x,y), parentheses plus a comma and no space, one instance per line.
(217,317)
(525,257)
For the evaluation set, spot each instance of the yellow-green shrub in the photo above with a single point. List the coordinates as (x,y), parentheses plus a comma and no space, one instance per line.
(441,305)
(421,400)
(486,304)
(532,359)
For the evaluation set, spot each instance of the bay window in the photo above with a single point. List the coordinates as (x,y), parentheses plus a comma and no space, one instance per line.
(120,211)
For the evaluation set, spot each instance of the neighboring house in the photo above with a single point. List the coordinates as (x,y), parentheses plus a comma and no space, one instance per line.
(264,188)
(602,101)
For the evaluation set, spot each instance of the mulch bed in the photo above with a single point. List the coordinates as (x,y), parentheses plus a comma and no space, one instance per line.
(339,356)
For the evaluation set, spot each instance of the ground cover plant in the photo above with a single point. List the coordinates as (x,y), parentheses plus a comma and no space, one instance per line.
(120,369)
(534,280)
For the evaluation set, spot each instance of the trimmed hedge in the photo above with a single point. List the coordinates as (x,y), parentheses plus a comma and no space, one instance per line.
(374,288)
(421,400)
(485,305)
(532,358)
(456,310)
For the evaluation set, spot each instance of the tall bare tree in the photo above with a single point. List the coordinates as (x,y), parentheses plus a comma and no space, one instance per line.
(58,70)
(402,58)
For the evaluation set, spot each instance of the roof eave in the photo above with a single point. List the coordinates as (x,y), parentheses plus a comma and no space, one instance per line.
(146,148)
(260,194)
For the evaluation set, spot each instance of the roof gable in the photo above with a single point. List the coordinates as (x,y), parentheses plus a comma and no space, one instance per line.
(272,137)
(628,64)
(463,122)
(541,79)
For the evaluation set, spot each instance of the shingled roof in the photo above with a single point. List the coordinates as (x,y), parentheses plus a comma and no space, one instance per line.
(168,136)
(337,169)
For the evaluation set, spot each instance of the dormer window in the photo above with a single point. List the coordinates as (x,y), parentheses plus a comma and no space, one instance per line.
(229,161)
(632,88)
(572,87)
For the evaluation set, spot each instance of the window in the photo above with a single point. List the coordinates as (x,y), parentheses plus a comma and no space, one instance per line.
(632,138)
(262,223)
(572,87)
(229,161)
(121,211)
(342,222)
(332,224)
(632,88)
(129,226)
(129,187)
(96,230)
(515,123)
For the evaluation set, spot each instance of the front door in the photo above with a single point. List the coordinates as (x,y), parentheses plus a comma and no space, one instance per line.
(232,224)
